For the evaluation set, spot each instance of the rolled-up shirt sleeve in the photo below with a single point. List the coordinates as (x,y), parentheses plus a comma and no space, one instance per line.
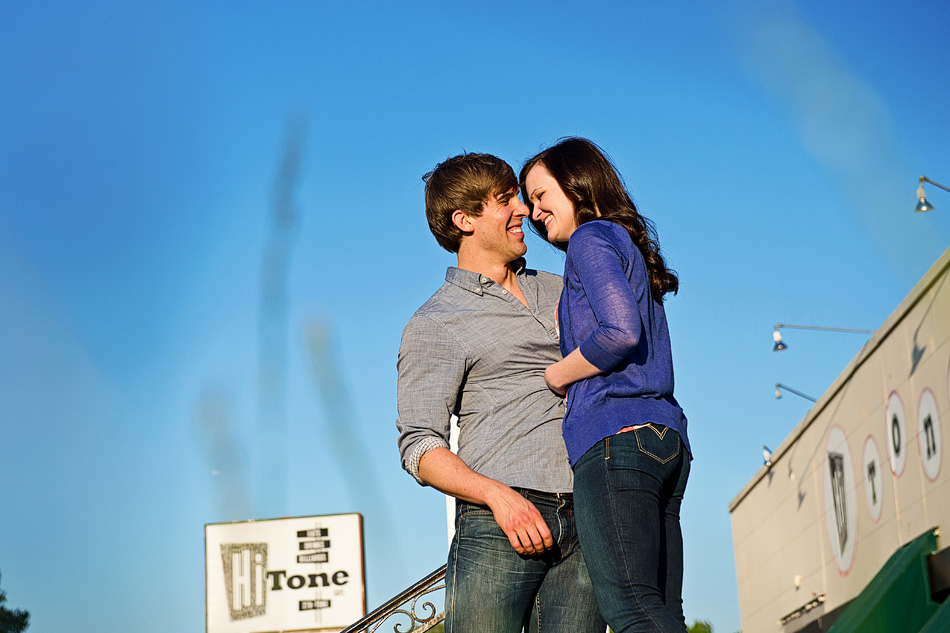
(431,368)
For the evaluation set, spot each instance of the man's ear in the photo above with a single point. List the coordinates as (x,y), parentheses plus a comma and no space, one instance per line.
(462,221)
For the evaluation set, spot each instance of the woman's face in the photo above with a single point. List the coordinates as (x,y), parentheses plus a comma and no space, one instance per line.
(551,206)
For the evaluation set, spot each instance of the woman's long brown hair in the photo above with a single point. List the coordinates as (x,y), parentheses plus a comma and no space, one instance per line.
(592,184)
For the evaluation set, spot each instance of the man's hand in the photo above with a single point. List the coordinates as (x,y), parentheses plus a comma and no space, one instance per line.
(521,522)
(516,516)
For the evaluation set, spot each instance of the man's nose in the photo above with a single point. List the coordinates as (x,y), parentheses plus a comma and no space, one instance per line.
(521,209)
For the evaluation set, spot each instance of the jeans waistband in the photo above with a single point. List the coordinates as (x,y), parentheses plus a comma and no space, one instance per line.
(528,493)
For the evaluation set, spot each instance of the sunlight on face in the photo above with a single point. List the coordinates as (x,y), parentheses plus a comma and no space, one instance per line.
(551,206)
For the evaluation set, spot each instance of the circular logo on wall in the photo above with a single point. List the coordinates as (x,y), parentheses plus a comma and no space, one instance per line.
(895,430)
(840,503)
(929,437)
(873,478)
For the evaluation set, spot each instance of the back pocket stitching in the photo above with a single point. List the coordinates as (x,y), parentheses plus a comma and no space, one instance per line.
(646,452)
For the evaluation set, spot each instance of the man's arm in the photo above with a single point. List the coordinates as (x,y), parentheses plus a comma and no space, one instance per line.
(431,368)
(516,516)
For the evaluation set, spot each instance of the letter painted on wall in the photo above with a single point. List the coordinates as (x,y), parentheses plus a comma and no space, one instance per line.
(929,436)
(873,478)
(895,430)
(840,503)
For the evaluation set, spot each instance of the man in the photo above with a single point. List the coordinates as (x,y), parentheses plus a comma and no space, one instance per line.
(478,349)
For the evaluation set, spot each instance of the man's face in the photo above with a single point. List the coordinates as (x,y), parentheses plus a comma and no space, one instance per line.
(498,233)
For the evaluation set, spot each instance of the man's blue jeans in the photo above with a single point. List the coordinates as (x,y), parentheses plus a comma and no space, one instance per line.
(490,588)
(628,489)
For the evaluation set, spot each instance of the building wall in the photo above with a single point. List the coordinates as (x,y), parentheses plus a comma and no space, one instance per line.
(851,485)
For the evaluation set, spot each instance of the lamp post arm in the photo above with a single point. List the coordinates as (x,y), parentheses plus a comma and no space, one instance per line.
(924,179)
(825,329)
(779,385)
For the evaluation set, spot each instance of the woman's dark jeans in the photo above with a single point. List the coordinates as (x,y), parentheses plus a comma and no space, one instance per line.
(627,494)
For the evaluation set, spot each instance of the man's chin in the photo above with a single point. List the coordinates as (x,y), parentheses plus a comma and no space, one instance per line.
(518,255)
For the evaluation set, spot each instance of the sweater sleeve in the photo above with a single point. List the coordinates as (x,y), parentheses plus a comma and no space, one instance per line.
(600,259)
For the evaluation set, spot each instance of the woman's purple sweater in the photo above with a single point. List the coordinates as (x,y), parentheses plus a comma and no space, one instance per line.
(607,310)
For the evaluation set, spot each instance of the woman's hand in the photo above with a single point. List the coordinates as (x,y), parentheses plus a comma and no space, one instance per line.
(556,388)
(567,371)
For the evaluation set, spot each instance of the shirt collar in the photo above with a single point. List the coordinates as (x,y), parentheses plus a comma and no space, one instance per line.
(472,281)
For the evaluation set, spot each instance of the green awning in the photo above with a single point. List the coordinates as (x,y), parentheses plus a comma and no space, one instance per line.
(898,597)
(940,622)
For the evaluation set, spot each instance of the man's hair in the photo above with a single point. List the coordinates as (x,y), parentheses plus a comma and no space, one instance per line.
(464,182)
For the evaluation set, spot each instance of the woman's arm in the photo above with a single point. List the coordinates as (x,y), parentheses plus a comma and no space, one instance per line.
(567,371)
(601,255)
(597,261)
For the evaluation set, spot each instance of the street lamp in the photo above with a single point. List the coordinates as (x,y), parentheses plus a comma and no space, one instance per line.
(778,392)
(922,204)
(780,344)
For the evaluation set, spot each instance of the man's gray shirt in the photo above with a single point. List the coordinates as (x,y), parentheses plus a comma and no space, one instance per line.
(476,351)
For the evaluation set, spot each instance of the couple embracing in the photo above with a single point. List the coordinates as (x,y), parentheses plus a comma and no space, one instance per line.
(572,452)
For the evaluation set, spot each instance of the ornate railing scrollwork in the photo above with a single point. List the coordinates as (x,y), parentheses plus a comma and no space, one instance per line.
(422,615)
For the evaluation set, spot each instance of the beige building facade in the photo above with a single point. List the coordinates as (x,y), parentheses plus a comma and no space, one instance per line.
(863,474)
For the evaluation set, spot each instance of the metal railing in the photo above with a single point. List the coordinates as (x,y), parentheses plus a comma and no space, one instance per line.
(406,604)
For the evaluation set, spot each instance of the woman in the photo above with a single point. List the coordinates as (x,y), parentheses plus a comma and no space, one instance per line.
(624,431)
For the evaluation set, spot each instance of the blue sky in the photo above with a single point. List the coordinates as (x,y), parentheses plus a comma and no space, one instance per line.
(776,145)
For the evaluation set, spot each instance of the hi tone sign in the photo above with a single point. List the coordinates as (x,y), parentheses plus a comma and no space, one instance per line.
(297,574)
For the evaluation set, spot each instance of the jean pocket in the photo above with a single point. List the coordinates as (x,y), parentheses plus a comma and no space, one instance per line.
(465,509)
(658,442)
